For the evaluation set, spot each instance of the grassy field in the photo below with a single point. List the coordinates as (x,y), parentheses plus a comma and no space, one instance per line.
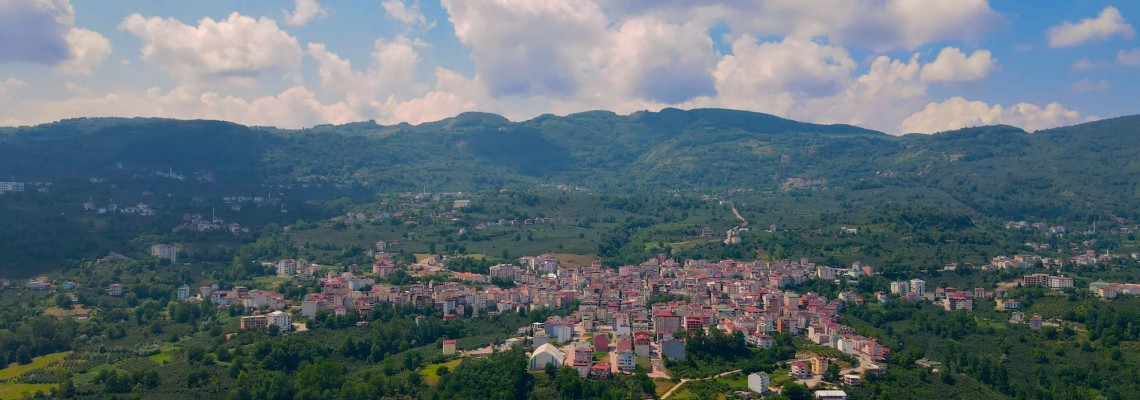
(165,356)
(15,370)
(662,386)
(431,372)
(23,390)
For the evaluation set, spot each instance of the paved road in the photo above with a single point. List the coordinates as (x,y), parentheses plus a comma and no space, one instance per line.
(683,381)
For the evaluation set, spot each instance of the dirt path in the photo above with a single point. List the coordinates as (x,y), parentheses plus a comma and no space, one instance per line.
(683,381)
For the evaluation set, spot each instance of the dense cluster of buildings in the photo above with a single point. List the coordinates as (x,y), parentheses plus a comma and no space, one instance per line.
(612,305)
(1107,290)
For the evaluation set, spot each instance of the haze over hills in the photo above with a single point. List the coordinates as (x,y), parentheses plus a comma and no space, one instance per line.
(710,149)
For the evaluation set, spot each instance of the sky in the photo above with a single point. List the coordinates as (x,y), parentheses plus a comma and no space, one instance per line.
(899,66)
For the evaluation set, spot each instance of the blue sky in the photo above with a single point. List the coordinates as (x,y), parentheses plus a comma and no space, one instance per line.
(895,65)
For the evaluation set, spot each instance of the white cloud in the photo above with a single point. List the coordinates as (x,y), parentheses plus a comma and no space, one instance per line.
(876,24)
(453,94)
(236,47)
(294,107)
(1089,85)
(658,61)
(88,50)
(406,12)
(1129,58)
(1083,64)
(391,75)
(9,84)
(42,32)
(956,113)
(952,65)
(1106,25)
(304,11)
(35,31)
(878,99)
(530,48)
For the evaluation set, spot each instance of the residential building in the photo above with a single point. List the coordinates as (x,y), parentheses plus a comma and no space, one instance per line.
(601,342)
(799,370)
(759,381)
(601,371)
(281,319)
(819,365)
(583,359)
(254,321)
(115,289)
(448,347)
(165,251)
(626,360)
(6,187)
(918,287)
(183,292)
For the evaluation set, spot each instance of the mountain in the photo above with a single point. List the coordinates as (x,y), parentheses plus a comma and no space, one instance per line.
(996,170)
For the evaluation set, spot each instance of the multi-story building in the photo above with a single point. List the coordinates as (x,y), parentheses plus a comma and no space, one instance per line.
(165,251)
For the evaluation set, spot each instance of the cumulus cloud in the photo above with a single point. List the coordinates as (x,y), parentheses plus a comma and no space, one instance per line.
(35,31)
(406,12)
(529,48)
(957,112)
(87,51)
(952,65)
(236,47)
(392,74)
(1089,85)
(294,107)
(659,61)
(304,11)
(42,32)
(876,24)
(1129,58)
(1106,25)
(9,84)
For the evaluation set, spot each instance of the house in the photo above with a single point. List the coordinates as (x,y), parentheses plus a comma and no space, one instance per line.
(164,251)
(819,365)
(626,360)
(116,289)
(448,347)
(759,381)
(183,292)
(546,354)
(852,380)
(641,343)
(831,395)
(1035,322)
(282,320)
(673,348)
(601,371)
(601,342)
(799,371)
(761,340)
(254,321)
(583,359)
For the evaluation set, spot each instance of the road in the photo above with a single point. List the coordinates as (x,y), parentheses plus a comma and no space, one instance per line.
(683,381)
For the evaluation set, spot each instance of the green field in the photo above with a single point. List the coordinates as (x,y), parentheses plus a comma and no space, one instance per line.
(15,370)
(23,390)
(431,372)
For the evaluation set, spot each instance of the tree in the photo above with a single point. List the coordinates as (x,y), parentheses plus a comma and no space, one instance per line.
(24,355)
(796,392)
(832,374)
(62,300)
